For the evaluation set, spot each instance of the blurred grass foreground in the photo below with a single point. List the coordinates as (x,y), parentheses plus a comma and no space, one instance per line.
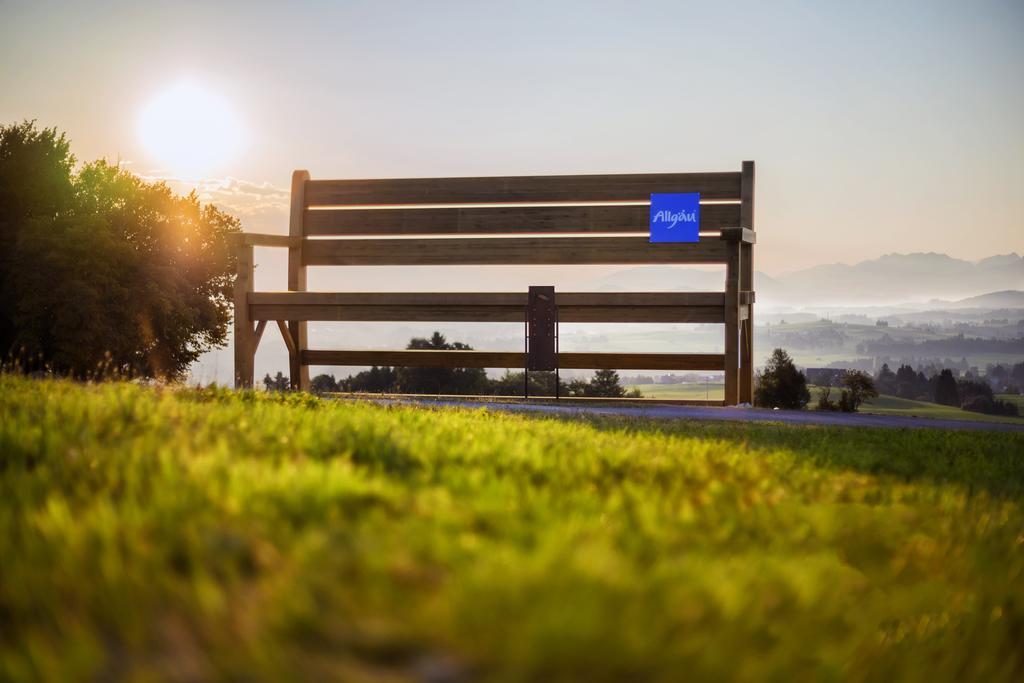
(176,534)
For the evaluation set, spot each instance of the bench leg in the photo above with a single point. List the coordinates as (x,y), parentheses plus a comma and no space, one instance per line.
(732,326)
(747,358)
(298,372)
(244,336)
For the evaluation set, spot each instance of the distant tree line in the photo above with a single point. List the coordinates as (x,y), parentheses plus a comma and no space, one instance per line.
(967,392)
(818,337)
(956,346)
(782,385)
(465,381)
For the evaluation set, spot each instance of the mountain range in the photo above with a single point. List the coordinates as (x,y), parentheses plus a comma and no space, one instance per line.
(910,286)
(918,278)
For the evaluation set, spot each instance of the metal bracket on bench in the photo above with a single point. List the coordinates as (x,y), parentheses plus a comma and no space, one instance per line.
(541,334)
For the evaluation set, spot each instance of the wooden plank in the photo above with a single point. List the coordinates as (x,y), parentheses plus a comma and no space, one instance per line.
(517,359)
(643,314)
(483,314)
(747,284)
(641,361)
(573,307)
(259,240)
(503,398)
(501,220)
(744,235)
(298,373)
(509,251)
(488,314)
(565,188)
(732,325)
(420,359)
(244,342)
(518,299)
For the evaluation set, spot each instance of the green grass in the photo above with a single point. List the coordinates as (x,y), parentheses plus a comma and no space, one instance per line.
(883,405)
(1016,399)
(903,407)
(713,391)
(893,405)
(194,535)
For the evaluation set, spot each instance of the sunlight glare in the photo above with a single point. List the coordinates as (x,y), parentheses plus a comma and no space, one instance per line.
(190,129)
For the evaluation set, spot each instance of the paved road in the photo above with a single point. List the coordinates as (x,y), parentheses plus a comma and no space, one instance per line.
(729,414)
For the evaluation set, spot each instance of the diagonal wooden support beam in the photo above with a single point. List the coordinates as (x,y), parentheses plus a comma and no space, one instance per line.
(289,341)
(258,334)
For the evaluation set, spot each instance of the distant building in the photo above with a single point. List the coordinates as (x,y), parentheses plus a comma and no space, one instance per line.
(824,377)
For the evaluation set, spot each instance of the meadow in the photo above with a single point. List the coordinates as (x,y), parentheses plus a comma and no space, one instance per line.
(883,405)
(894,405)
(180,534)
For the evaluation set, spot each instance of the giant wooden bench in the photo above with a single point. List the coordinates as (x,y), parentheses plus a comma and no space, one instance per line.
(521,220)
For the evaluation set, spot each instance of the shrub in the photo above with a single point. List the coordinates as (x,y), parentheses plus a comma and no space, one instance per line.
(781,385)
(279,382)
(825,402)
(970,389)
(989,406)
(859,387)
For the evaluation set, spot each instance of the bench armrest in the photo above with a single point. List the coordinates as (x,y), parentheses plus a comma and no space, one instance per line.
(745,235)
(253,239)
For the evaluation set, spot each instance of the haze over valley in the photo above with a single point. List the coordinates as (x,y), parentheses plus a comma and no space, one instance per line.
(897,306)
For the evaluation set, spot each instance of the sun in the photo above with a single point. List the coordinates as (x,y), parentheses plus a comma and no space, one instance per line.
(189,129)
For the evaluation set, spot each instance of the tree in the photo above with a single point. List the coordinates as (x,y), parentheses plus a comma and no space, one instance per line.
(1017,372)
(825,402)
(606,383)
(323,383)
(111,271)
(970,389)
(909,384)
(859,387)
(35,187)
(946,392)
(441,380)
(375,380)
(997,371)
(780,384)
(886,379)
(578,387)
(276,383)
(541,384)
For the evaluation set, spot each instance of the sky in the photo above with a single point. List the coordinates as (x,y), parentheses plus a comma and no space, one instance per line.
(877,127)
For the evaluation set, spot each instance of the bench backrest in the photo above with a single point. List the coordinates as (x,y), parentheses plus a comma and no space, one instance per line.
(520,220)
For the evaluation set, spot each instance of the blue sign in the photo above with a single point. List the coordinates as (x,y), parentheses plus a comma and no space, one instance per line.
(675,217)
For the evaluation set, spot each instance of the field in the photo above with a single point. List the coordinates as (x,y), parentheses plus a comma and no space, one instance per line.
(893,405)
(204,534)
(713,391)
(904,407)
(883,405)
(1016,399)
(837,342)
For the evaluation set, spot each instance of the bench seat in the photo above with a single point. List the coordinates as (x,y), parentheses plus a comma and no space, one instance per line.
(573,307)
